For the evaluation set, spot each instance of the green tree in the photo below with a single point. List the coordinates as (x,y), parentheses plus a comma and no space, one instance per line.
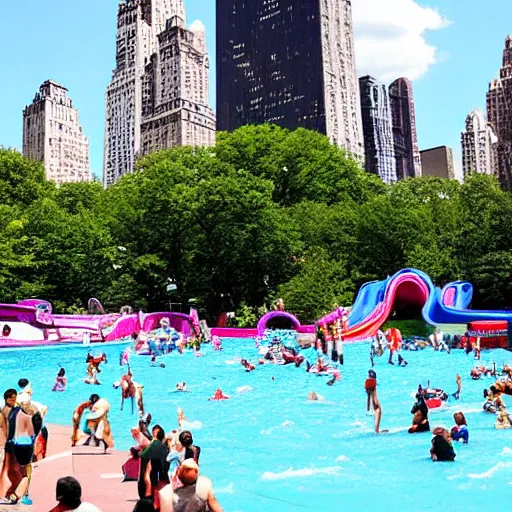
(319,287)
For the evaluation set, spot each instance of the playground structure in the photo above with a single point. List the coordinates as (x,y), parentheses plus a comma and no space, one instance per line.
(372,307)
(32,323)
(377,299)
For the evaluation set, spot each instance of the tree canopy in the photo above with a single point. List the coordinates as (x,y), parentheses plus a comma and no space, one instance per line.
(266,213)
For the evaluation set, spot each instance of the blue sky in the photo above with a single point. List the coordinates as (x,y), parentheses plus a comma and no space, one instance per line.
(453,54)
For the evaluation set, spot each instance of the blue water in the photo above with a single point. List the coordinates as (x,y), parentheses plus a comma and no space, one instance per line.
(271,448)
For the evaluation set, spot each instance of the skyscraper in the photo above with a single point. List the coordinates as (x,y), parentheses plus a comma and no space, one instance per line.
(499,115)
(479,145)
(175,108)
(438,162)
(138,24)
(378,135)
(403,119)
(289,63)
(52,134)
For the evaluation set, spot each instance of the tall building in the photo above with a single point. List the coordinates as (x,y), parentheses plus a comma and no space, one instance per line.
(289,63)
(138,24)
(438,162)
(378,135)
(403,119)
(479,145)
(499,115)
(52,134)
(175,108)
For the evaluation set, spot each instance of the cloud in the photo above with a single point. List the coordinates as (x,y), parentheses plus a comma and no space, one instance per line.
(390,38)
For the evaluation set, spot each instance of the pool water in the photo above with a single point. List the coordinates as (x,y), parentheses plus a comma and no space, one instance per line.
(270,448)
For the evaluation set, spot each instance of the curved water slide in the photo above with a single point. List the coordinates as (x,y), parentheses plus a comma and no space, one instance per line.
(376,300)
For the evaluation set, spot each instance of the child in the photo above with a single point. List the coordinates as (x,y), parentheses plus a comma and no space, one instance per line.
(460,430)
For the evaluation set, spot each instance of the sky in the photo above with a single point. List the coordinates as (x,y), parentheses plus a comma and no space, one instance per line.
(451,49)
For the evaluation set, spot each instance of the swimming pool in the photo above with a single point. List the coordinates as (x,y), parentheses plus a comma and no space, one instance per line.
(271,448)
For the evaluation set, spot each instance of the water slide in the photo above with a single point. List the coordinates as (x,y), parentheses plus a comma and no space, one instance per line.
(376,301)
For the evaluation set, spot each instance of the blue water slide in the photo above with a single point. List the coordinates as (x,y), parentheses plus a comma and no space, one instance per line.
(369,297)
(463,294)
(372,294)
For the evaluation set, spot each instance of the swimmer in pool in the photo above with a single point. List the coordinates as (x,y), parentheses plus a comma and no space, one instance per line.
(248,366)
(370,387)
(460,431)
(420,411)
(60,381)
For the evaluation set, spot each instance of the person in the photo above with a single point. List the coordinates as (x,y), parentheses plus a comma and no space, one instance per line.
(312,396)
(394,338)
(376,347)
(142,438)
(502,418)
(93,367)
(69,495)
(76,417)
(219,395)
(97,423)
(189,491)
(6,331)
(60,381)
(191,451)
(248,366)
(460,431)
(457,393)
(124,358)
(22,431)
(492,401)
(370,387)
(154,468)
(420,411)
(216,342)
(24,399)
(442,448)
(181,387)
(128,389)
(502,387)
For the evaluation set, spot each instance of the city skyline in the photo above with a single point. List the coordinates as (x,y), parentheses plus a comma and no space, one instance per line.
(86,68)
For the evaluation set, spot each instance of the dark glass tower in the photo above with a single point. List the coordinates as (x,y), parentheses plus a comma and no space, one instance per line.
(291,63)
(403,116)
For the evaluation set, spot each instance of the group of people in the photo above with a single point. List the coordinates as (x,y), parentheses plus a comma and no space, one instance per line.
(441,446)
(166,468)
(23,439)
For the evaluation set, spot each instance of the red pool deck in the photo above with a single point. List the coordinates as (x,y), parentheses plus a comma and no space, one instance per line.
(100,477)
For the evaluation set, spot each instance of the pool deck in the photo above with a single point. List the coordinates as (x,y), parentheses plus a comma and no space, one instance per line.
(100,476)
